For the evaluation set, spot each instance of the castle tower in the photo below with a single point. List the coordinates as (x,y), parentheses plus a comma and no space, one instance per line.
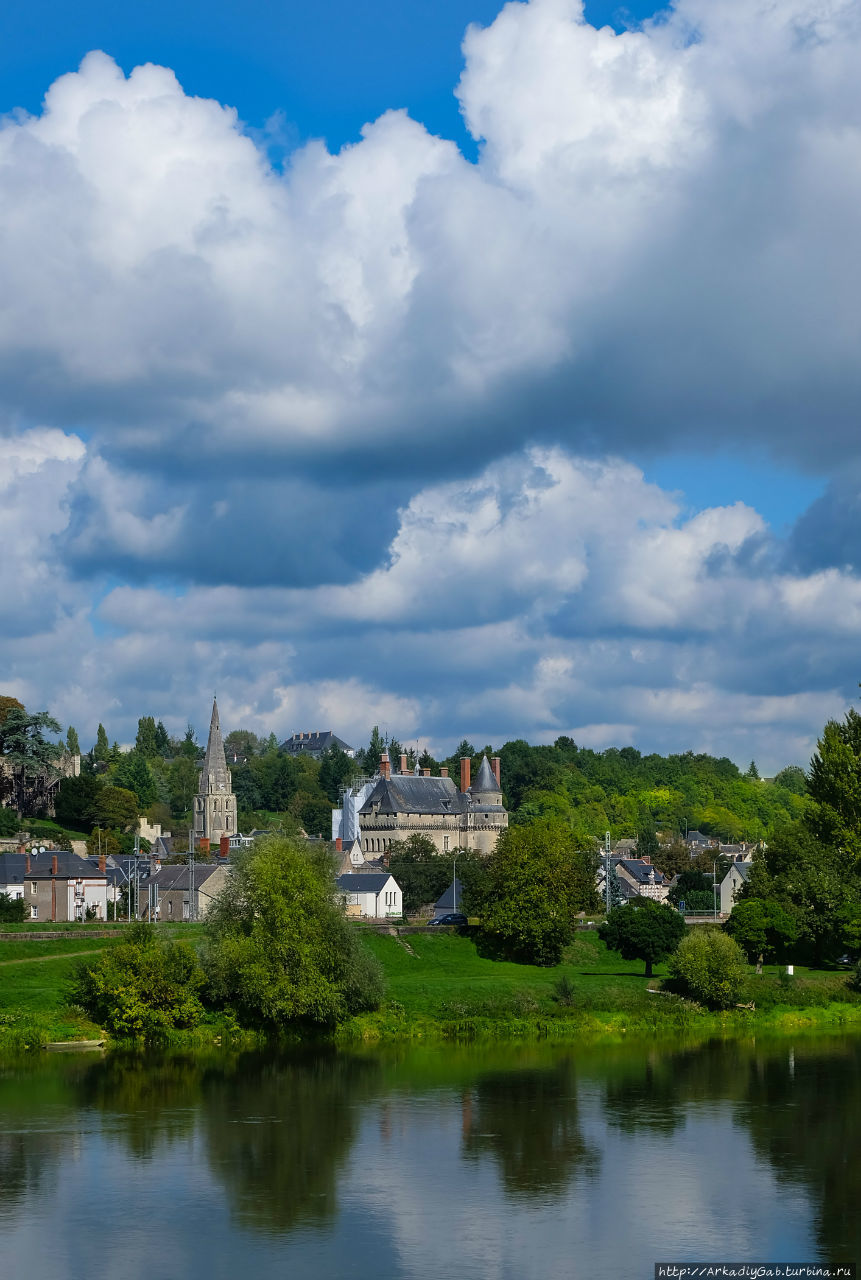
(214,804)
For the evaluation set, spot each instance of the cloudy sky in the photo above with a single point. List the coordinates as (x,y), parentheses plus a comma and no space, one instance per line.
(465,371)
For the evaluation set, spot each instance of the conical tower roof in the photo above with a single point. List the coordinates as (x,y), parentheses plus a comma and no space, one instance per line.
(215,775)
(486,779)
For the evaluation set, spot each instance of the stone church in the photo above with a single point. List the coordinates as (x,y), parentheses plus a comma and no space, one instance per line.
(404,804)
(215,803)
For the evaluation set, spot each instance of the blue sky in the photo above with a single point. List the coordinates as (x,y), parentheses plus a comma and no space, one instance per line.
(376,367)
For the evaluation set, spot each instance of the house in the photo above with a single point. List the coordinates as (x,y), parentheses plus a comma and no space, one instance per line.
(731,884)
(370,895)
(315,744)
(638,878)
(451,899)
(625,848)
(56,884)
(406,803)
(696,842)
(175,894)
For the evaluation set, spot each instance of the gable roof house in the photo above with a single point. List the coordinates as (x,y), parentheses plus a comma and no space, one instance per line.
(731,884)
(57,885)
(175,896)
(638,878)
(415,803)
(371,896)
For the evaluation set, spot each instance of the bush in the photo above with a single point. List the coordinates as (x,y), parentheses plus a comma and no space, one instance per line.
(710,967)
(12,910)
(140,988)
(10,823)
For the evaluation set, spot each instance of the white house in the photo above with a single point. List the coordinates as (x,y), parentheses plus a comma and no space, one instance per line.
(371,895)
(731,884)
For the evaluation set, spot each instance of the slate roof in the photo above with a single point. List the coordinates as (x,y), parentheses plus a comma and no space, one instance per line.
(406,793)
(446,901)
(743,869)
(697,837)
(485,778)
(13,867)
(363,882)
(214,762)
(318,741)
(640,871)
(176,877)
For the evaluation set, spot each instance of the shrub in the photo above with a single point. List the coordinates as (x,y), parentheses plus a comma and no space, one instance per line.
(12,910)
(10,823)
(140,988)
(710,967)
(564,991)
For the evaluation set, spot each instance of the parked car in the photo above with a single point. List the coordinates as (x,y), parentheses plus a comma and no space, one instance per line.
(453,918)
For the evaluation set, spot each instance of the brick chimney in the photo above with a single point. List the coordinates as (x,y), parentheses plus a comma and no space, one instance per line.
(385,765)
(26,861)
(54,865)
(403,762)
(224,847)
(22,848)
(339,845)
(495,766)
(426,773)
(465,767)
(443,771)
(646,858)
(203,844)
(103,863)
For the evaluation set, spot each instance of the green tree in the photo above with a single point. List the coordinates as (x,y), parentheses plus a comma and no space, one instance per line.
(373,751)
(23,741)
(145,742)
(643,930)
(674,858)
(73,744)
(336,768)
(102,749)
(752,772)
(834,782)
(140,987)
(792,778)
(422,873)
(242,742)
(189,746)
(162,740)
(9,821)
(762,928)
(183,781)
(116,807)
(132,771)
(647,844)
(537,882)
(12,910)
(279,950)
(75,806)
(710,967)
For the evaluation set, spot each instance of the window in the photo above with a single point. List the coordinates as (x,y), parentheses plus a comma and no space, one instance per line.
(445,841)
(32,886)
(34,912)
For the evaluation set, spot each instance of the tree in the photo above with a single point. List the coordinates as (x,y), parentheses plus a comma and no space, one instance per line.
(421,872)
(145,742)
(23,742)
(188,747)
(241,742)
(537,882)
(834,782)
(102,749)
(162,740)
(7,703)
(752,772)
(792,778)
(279,950)
(673,859)
(373,751)
(647,844)
(75,806)
(133,772)
(12,910)
(643,930)
(691,881)
(73,744)
(9,821)
(116,807)
(710,967)
(336,768)
(140,987)
(183,782)
(762,928)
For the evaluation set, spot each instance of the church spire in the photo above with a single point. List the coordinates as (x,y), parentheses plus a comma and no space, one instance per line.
(215,775)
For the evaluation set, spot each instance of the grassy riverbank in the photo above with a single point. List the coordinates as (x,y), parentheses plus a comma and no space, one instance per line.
(438,987)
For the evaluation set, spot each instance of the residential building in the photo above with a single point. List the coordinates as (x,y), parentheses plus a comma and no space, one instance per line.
(370,895)
(214,805)
(56,884)
(177,895)
(314,744)
(408,803)
(731,885)
(638,878)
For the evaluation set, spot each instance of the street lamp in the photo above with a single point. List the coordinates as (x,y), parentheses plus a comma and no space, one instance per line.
(454,882)
(714,888)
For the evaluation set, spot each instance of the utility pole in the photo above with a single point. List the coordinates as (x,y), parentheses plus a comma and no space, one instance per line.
(608,897)
(137,881)
(191,911)
(454,881)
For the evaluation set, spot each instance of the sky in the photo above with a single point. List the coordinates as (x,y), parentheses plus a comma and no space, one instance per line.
(466,370)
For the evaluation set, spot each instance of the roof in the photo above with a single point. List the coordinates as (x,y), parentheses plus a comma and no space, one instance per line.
(364,881)
(485,778)
(697,837)
(446,900)
(319,740)
(408,793)
(640,870)
(214,762)
(13,867)
(176,877)
(743,869)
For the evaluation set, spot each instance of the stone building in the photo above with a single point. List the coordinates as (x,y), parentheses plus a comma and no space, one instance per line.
(215,803)
(404,804)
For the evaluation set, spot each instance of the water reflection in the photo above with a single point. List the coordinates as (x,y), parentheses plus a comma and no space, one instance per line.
(527,1122)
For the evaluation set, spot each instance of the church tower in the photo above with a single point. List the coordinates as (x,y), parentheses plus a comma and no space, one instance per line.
(215,803)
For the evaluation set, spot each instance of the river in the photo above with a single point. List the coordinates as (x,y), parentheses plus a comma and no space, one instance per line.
(462,1161)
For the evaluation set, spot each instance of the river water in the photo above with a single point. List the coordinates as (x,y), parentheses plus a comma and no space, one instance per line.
(474,1162)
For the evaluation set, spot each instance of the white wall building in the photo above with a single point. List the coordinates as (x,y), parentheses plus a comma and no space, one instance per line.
(371,895)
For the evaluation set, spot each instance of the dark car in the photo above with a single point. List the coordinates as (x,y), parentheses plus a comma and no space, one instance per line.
(453,918)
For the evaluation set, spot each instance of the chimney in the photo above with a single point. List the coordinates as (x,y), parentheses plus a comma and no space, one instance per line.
(426,773)
(443,771)
(22,848)
(26,862)
(203,844)
(495,766)
(403,762)
(54,865)
(646,858)
(465,766)
(224,847)
(385,765)
(103,863)
(339,845)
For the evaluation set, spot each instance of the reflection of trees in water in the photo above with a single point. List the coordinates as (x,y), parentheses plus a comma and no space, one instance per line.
(278,1134)
(653,1091)
(528,1121)
(26,1159)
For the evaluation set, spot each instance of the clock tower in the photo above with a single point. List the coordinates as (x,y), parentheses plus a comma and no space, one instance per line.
(215,803)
